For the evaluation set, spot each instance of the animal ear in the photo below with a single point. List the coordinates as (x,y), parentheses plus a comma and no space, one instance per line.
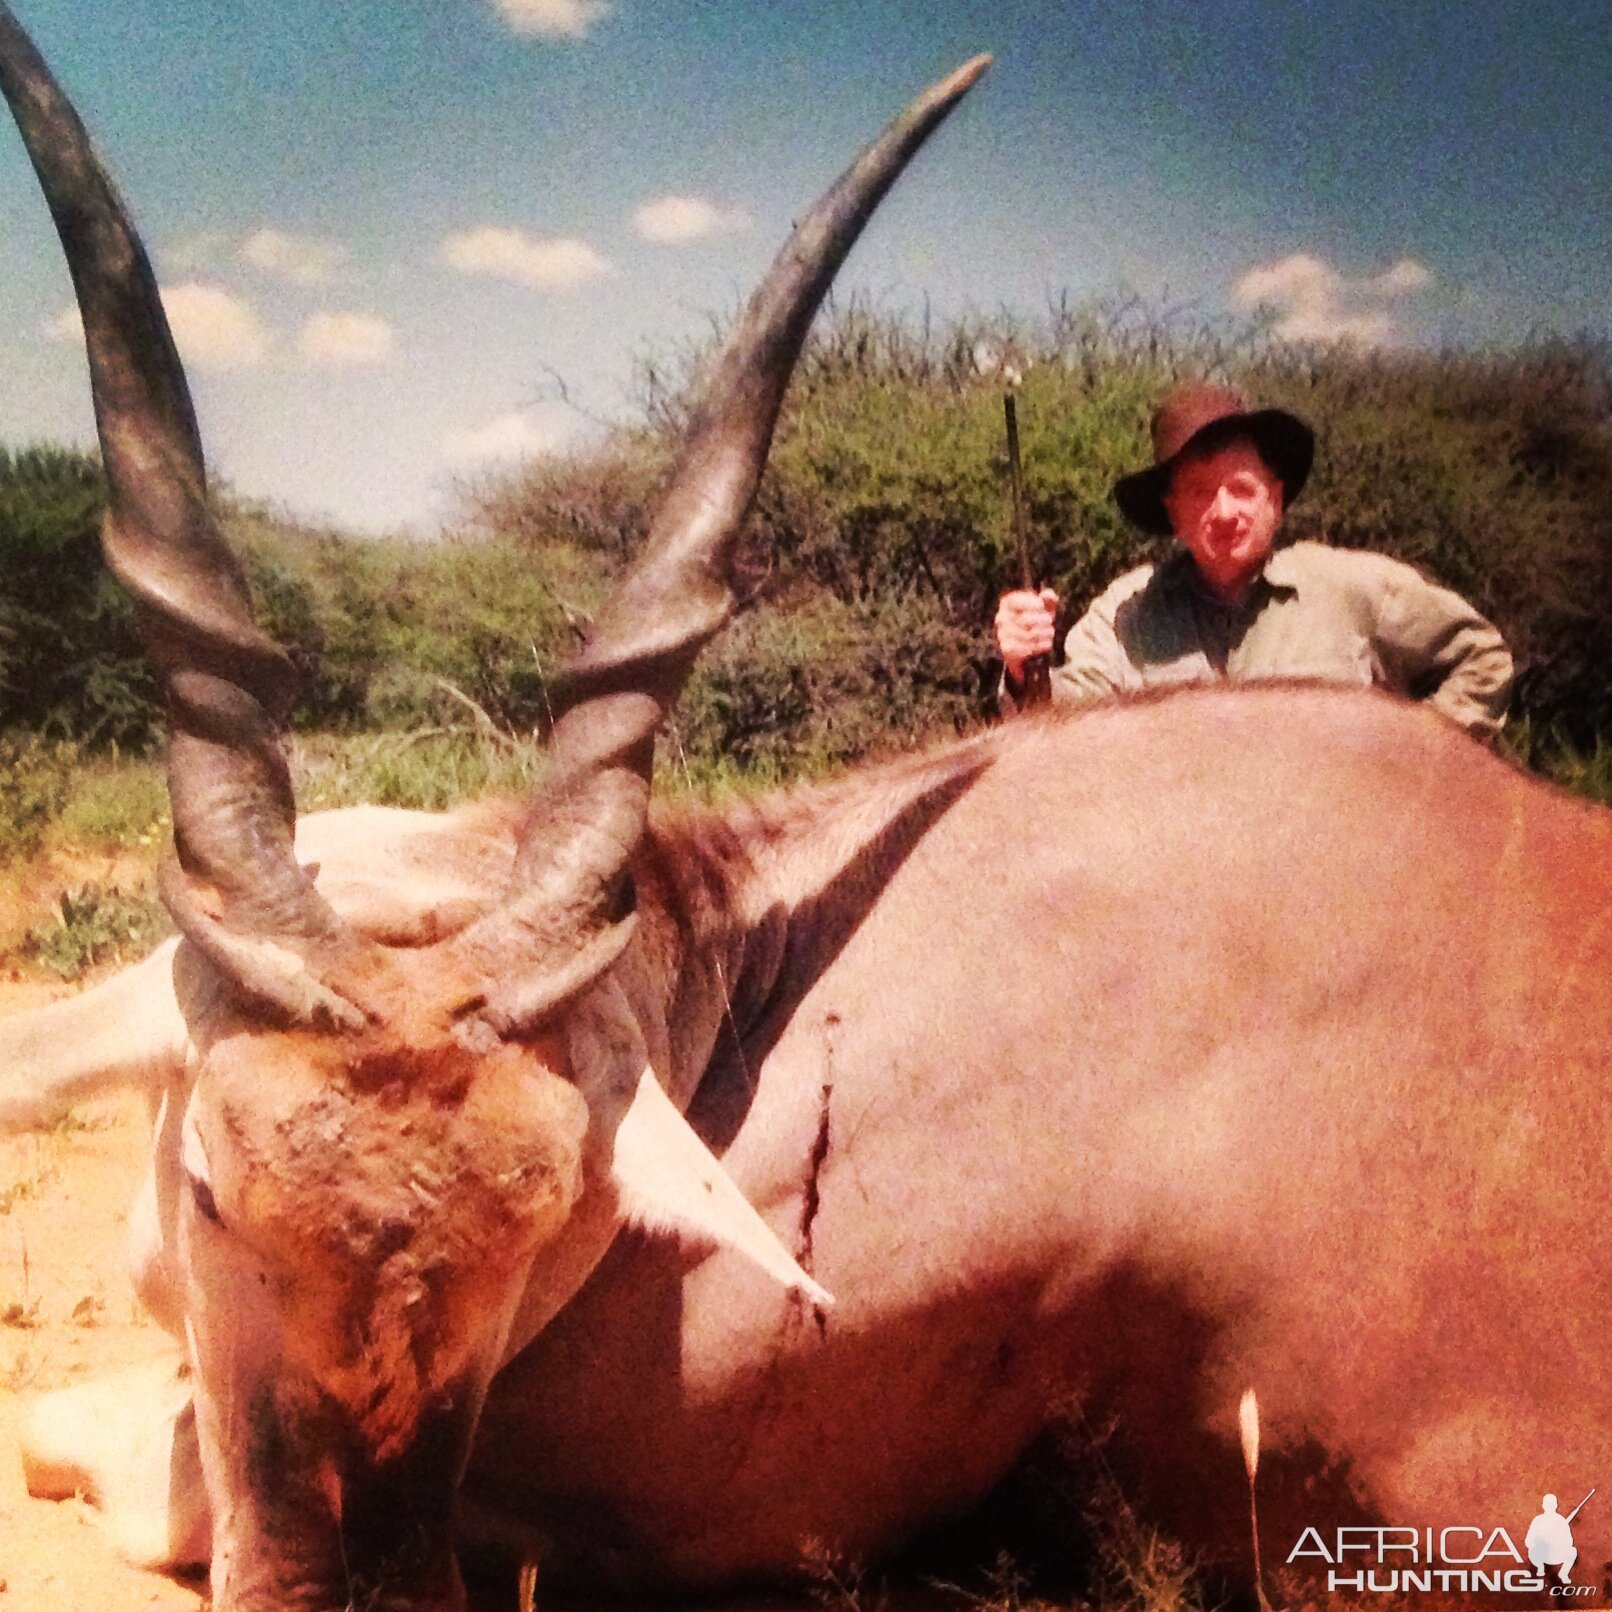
(129,1030)
(670,1181)
(665,1178)
(539,988)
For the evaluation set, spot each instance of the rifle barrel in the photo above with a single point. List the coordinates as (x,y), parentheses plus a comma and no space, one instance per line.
(1020,530)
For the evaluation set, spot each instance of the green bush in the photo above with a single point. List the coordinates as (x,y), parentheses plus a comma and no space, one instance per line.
(1585,772)
(597,500)
(430,769)
(821,684)
(103,801)
(394,634)
(70,661)
(95,924)
(114,802)
(879,541)
(35,782)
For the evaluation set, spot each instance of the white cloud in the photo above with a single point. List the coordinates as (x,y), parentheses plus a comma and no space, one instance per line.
(550,263)
(514,435)
(673,220)
(1406,278)
(305,260)
(68,325)
(1300,278)
(213,328)
(346,340)
(1315,302)
(194,254)
(553,19)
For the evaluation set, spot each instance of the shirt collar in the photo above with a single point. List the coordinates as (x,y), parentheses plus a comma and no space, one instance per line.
(1278,576)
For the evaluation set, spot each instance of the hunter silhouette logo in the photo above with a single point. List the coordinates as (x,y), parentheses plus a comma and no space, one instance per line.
(1460,1560)
(1549,1540)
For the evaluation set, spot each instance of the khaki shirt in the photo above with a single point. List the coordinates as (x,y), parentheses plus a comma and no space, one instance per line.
(1332,615)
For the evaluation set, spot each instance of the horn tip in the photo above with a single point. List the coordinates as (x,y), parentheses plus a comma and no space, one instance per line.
(969,73)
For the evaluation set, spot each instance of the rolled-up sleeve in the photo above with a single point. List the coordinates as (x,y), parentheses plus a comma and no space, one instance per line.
(1435,646)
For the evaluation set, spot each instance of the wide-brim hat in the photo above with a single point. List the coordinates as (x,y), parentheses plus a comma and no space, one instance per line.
(1200,415)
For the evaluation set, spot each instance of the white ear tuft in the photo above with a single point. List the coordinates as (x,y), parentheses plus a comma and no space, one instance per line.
(671,1182)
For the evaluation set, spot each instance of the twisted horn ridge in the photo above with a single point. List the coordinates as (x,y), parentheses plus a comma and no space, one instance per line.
(233,885)
(588,818)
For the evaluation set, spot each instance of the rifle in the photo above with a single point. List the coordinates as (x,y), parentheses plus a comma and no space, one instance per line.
(1036,688)
(1578,1508)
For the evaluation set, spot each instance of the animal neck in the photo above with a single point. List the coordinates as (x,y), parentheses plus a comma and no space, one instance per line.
(748,902)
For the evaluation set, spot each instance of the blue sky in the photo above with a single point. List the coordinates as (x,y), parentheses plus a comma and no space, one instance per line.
(383,225)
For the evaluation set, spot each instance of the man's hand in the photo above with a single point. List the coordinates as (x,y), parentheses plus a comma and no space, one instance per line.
(1024,628)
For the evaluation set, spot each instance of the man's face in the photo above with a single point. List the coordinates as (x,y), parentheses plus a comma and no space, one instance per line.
(1225,505)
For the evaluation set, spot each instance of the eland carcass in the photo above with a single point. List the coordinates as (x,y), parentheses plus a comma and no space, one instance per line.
(1118,1062)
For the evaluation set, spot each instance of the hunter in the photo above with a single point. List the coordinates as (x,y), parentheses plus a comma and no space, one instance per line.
(1229,605)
